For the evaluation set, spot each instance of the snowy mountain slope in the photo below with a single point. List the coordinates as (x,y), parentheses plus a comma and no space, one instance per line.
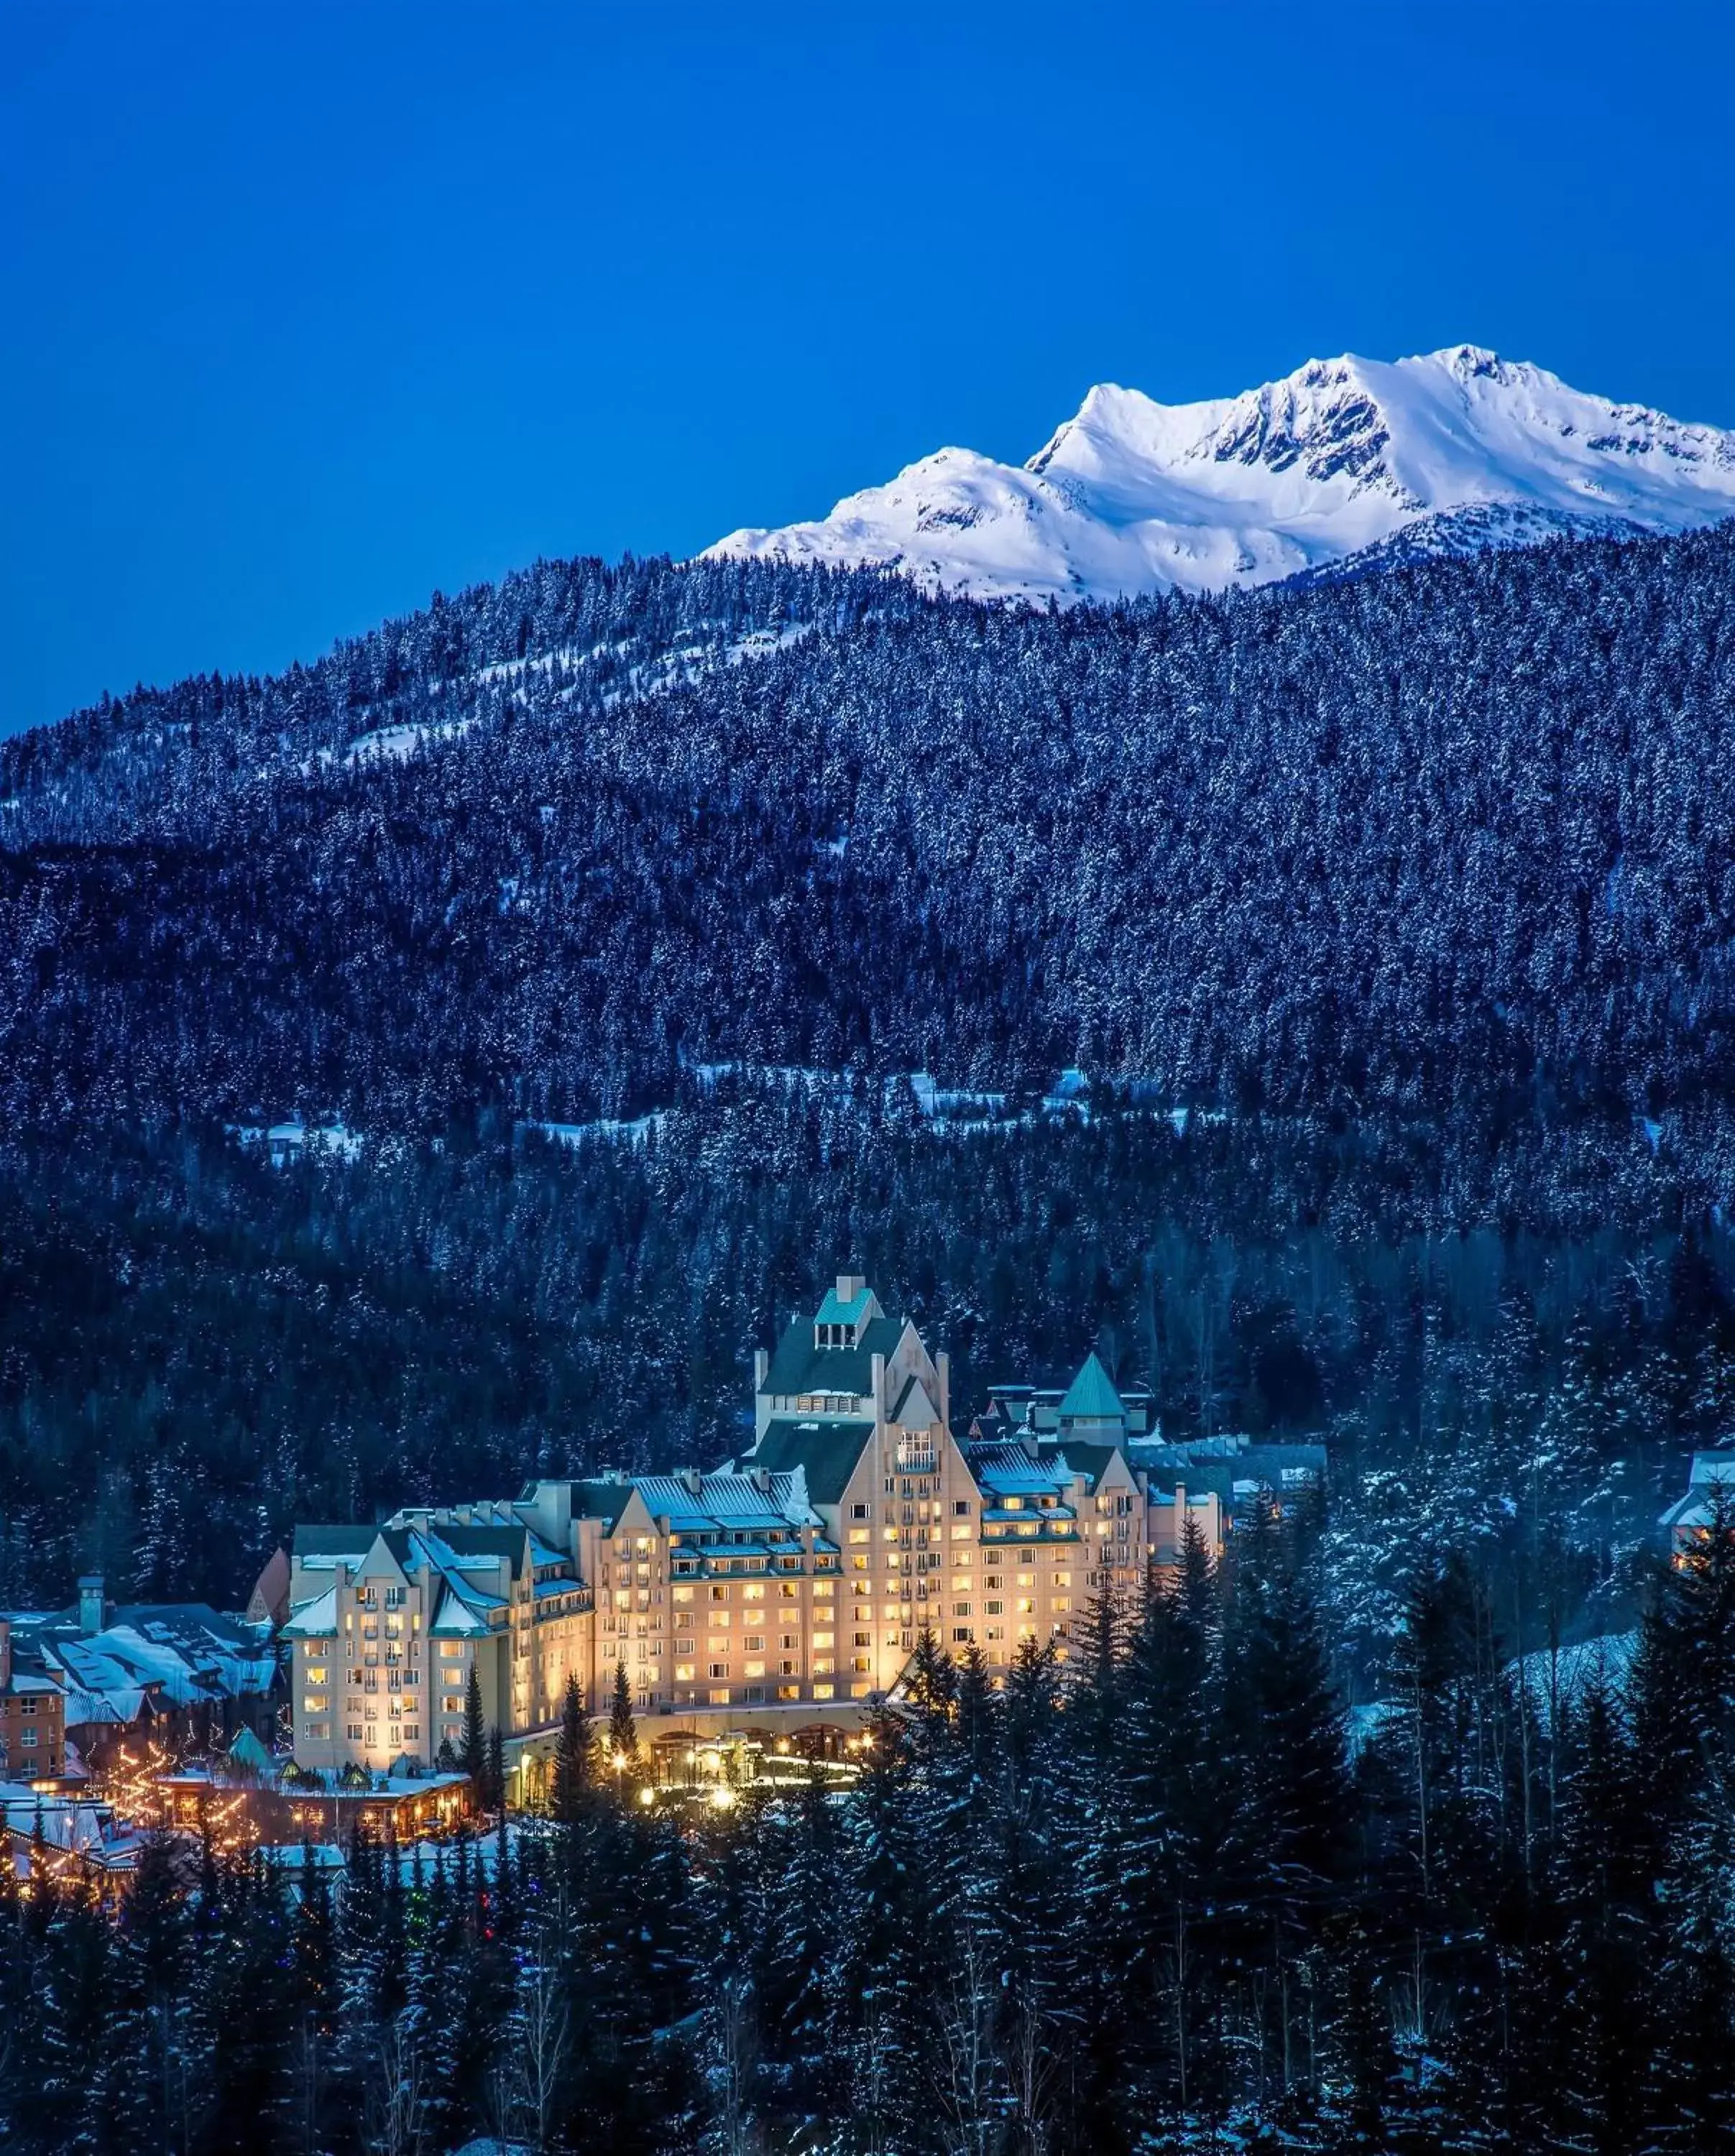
(1449,452)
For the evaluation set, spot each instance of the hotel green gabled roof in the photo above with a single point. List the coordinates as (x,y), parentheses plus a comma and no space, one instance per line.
(800,1367)
(603,1501)
(827,1451)
(1092,1461)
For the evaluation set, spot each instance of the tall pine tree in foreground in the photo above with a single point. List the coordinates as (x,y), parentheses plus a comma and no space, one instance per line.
(622,1728)
(572,1770)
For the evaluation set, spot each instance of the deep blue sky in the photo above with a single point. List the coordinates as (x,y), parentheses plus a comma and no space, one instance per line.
(306,312)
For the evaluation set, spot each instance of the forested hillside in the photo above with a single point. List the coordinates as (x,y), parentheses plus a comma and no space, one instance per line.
(1458,839)
(1418,887)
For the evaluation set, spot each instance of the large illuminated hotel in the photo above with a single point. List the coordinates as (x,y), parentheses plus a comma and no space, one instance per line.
(787,1587)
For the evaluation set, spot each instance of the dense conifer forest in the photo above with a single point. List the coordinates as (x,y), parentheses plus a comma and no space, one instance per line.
(1453,839)
(1171,1905)
(653,942)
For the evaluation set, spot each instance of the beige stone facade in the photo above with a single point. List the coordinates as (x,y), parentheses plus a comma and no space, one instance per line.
(792,1582)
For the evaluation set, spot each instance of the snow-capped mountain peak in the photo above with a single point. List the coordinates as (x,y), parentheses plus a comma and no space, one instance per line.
(1452,451)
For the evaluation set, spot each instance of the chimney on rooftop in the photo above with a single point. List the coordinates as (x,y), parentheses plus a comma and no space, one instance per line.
(5,1652)
(850,1286)
(90,1604)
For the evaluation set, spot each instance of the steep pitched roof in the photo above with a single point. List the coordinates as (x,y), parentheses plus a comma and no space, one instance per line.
(914,1409)
(1092,1461)
(833,1312)
(826,1451)
(1091,1396)
(314,1620)
(463,1540)
(1008,1470)
(600,1500)
(455,1618)
(800,1367)
(268,1602)
(726,1501)
(248,1753)
(431,1548)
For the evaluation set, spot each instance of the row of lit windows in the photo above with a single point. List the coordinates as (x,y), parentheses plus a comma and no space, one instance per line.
(788,1591)
(728,1695)
(320,1649)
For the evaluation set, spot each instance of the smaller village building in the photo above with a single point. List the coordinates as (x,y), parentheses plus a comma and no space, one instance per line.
(306,1806)
(33,1718)
(1710,1482)
(75,1841)
(177,1671)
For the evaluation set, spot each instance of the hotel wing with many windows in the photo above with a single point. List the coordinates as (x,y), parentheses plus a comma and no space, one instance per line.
(789,1585)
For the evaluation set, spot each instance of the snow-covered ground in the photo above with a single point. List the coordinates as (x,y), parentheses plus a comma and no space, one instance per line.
(948,1111)
(1566,1675)
(397,744)
(1452,451)
(609,1129)
(702,651)
(288,1142)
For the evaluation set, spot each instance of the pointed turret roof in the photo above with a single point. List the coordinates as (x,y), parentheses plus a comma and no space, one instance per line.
(246,1751)
(1091,1396)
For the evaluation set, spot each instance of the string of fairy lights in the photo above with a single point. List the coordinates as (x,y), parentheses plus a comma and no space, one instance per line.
(146,1786)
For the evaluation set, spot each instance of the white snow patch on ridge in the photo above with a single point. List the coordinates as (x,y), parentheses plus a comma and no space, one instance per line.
(1459,448)
(397,744)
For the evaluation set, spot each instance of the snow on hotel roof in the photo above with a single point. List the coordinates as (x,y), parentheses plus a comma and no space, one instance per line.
(314,1620)
(727,1503)
(1008,1470)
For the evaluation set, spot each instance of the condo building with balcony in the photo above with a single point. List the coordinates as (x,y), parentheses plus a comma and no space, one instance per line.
(388,1623)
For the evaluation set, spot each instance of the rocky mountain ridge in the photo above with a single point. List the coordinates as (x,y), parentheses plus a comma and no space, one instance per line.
(1346,461)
